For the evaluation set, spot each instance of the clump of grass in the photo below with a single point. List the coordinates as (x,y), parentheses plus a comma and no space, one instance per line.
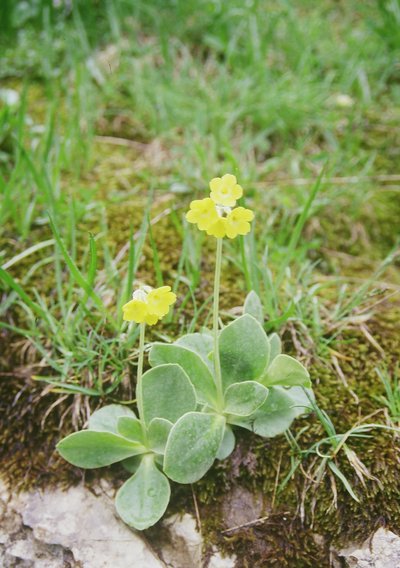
(391,398)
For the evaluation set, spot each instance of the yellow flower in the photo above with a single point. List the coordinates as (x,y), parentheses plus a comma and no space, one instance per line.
(135,310)
(160,299)
(149,305)
(218,229)
(238,222)
(202,212)
(225,191)
(220,220)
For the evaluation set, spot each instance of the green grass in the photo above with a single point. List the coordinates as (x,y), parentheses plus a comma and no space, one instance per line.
(250,88)
(391,398)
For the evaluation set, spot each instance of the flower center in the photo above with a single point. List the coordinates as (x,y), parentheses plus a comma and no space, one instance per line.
(141,294)
(222,210)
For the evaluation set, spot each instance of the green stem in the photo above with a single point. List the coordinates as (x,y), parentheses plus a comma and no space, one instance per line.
(139,398)
(217,363)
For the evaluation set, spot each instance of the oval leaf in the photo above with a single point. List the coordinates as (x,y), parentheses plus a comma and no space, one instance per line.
(227,445)
(287,372)
(192,446)
(89,449)
(167,393)
(277,413)
(253,306)
(105,419)
(200,343)
(275,346)
(130,428)
(157,433)
(142,500)
(242,399)
(198,372)
(244,350)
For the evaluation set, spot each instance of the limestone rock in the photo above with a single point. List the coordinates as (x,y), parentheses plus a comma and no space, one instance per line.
(382,550)
(88,526)
(241,507)
(184,545)
(74,529)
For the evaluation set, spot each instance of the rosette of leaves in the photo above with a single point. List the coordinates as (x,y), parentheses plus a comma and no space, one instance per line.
(263,391)
(116,434)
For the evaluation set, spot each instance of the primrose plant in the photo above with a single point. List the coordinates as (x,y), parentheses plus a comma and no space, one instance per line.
(198,388)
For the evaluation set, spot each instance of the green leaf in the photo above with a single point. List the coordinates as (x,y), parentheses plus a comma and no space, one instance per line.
(244,350)
(192,446)
(167,393)
(288,372)
(275,345)
(200,343)
(131,428)
(277,413)
(132,464)
(89,449)
(343,479)
(158,432)
(143,499)
(242,399)
(227,445)
(195,368)
(254,307)
(9,280)
(74,270)
(106,419)
(302,399)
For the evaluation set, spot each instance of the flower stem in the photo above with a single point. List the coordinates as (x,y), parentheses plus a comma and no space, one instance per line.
(217,363)
(139,397)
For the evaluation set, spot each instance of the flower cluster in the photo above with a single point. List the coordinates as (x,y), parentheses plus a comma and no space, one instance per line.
(214,214)
(148,305)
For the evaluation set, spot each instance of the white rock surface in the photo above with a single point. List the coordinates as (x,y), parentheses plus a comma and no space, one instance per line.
(218,561)
(382,550)
(184,547)
(54,529)
(185,543)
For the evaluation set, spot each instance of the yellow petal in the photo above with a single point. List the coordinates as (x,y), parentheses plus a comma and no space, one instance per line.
(203,213)
(229,180)
(215,184)
(241,214)
(218,229)
(151,319)
(135,310)
(237,191)
(159,300)
(238,222)
(225,191)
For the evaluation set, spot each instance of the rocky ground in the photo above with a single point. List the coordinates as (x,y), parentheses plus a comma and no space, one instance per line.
(78,528)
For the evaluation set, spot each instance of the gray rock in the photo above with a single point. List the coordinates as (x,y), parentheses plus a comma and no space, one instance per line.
(185,542)
(183,546)
(382,550)
(241,507)
(74,528)
(219,561)
(87,525)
